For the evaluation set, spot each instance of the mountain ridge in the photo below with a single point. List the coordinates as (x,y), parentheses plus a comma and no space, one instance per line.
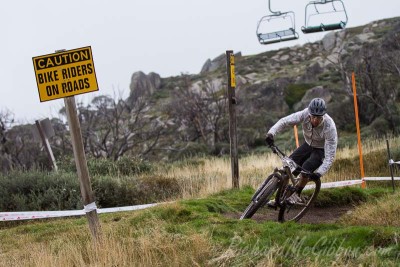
(274,83)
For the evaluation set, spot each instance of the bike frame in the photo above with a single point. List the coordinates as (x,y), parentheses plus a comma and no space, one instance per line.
(285,174)
(281,181)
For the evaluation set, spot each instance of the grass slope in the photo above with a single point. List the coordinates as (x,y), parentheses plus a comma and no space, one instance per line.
(196,232)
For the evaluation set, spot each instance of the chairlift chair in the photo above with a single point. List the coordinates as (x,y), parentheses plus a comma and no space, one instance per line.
(269,37)
(321,8)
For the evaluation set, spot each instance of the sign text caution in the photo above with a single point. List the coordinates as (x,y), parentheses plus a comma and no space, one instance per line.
(64,74)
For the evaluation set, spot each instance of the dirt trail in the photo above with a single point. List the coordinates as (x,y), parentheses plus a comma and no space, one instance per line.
(314,215)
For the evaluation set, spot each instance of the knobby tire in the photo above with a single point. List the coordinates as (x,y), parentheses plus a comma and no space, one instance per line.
(261,196)
(284,207)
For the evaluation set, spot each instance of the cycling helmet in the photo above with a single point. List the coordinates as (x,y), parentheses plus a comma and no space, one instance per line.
(317,107)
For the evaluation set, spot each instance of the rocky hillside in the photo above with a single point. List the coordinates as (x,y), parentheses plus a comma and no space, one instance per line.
(177,117)
(275,83)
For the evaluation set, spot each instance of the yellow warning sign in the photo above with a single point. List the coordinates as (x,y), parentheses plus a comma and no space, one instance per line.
(65,74)
(232,68)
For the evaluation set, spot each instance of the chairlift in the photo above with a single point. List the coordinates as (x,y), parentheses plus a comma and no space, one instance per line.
(321,9)
(269,37)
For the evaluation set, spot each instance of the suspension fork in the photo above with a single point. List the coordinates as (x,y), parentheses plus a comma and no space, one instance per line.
(284,186)
(276,174)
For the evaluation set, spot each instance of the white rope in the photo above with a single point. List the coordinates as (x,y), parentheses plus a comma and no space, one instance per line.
(381,178)
(29,215)
(391,162)
(90,207)
(335,184)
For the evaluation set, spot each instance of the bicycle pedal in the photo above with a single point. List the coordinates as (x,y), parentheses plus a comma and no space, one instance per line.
(272,205)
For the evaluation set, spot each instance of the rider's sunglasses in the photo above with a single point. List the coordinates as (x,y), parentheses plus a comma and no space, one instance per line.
(316,118)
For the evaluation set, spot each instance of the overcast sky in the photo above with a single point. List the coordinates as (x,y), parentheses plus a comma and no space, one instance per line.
(163,36)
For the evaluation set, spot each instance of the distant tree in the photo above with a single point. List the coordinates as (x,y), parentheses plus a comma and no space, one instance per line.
(18,148)
(378,80)
(60,142)
(6,120)
(199,110)
(111,128)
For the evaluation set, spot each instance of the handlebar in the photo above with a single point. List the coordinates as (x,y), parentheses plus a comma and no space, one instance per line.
(288,161)
(277,151)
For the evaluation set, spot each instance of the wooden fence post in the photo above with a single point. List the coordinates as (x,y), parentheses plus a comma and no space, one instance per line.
(46,145)
(230,67)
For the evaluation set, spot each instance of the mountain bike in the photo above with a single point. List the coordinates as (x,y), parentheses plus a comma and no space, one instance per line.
(282,182)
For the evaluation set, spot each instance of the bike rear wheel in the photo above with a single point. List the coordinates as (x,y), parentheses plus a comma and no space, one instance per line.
(262,195)
(295,212)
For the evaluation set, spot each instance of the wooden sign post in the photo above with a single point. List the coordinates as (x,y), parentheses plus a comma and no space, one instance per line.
(81,165)
(64,75)
(230,66)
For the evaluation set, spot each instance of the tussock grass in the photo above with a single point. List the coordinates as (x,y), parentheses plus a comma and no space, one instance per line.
(214,174)
(384,211)
(205,176)
(120,245)
(197,233)
(194,233)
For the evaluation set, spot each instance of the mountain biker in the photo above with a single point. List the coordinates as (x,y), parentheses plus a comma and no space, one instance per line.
(317,153)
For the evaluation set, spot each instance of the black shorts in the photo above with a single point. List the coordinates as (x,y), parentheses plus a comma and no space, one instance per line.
(310,158)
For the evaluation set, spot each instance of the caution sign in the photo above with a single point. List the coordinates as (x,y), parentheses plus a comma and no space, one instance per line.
(65,74)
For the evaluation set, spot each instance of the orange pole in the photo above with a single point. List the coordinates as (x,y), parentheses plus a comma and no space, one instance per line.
(353,79)
(296,137)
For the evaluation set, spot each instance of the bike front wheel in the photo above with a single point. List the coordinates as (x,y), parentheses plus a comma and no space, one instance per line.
(295,212)
(261,196)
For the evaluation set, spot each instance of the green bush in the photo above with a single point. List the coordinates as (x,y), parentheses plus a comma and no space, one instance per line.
(114,184)
(133,166)
(66,164)
(34,190)
(294,92)
(102,166)
(111,192)
(158,188)
(379,126)
(114,192)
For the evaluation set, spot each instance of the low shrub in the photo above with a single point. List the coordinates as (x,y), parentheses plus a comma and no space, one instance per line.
(158,188)
(132,166)
(34,190)
(114,192)
(294,92)
(103,166)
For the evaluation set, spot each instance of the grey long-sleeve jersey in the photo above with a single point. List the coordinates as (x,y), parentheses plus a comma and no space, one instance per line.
(323,136)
